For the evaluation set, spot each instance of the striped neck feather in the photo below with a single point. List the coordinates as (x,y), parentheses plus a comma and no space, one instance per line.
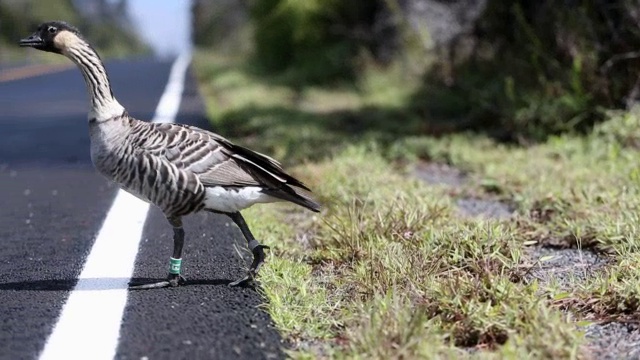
(104,105)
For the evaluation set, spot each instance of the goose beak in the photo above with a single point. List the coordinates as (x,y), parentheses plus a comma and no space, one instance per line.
(32,41)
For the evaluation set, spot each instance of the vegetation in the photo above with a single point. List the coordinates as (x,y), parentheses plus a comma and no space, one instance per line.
(302,124)
(390,269)
(305,42)
(541,68)
(310,39)
(520,71)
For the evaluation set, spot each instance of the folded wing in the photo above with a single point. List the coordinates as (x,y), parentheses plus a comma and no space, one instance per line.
(218,162)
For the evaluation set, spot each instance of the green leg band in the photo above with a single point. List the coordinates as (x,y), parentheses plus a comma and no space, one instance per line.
(174,267)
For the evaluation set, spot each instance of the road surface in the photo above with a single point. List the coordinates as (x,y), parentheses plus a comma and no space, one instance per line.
(53,205)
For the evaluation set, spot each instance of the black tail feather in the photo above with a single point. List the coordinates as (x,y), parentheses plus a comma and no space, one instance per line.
(269,164)
(296,196)
(291,189)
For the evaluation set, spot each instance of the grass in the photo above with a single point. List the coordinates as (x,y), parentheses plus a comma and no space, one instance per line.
(389,269)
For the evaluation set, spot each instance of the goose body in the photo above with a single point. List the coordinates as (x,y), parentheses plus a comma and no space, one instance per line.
(184,169)
(179,168)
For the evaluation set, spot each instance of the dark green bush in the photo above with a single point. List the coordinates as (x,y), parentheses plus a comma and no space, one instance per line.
(313,41)
(533,69)
(540,68)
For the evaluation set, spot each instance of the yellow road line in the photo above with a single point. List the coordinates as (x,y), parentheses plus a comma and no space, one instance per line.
(31,71)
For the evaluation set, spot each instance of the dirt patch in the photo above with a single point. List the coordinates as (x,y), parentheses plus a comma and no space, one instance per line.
(484,208)
(443,174)
(564,266)
(613,341)
(439,174)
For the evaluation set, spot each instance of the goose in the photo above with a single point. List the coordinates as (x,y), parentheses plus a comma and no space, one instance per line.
(181,169)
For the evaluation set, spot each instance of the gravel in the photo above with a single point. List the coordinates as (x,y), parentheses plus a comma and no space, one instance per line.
(565,266)
(613,341)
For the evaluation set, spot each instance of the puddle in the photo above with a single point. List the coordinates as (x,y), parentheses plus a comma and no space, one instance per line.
(489,209)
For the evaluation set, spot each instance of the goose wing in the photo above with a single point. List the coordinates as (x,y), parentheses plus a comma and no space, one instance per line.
(217,161)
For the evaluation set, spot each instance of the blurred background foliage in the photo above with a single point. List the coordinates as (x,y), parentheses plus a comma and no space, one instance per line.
(312,42)
(106,23)
(518,70)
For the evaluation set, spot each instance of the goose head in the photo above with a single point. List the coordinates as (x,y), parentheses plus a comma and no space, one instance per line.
(52,36)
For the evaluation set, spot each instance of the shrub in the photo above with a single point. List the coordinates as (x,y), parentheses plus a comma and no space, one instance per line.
(540,68)
(314,41)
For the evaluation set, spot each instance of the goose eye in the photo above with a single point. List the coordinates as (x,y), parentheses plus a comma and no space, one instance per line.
(52,29)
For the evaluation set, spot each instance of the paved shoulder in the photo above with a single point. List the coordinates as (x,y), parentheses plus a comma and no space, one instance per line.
(47,224)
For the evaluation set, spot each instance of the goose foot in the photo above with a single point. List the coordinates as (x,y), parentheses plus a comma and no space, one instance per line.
(173,280)
(258,259)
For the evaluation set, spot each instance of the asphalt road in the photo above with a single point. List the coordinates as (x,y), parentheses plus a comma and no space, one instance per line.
(53,204)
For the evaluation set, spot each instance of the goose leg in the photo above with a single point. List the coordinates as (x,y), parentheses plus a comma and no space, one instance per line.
(256,248)
(174,277)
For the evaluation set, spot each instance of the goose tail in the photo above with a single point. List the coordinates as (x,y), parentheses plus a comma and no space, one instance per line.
(296,195)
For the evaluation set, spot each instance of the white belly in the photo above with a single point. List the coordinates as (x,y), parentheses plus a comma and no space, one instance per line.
(232,200)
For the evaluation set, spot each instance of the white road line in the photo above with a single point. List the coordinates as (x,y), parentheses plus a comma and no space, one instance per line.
(89,325)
